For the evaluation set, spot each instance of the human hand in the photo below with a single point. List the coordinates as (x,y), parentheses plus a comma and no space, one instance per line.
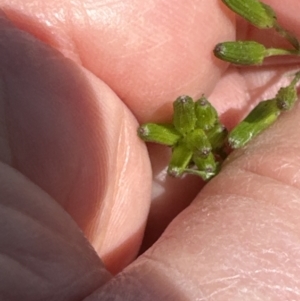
(75,142)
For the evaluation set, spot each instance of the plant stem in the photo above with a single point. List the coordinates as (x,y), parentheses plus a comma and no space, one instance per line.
(287,35)
(280,51)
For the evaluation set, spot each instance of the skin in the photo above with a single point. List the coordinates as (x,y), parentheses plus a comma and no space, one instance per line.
(76,79)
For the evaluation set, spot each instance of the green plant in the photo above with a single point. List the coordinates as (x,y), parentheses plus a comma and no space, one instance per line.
(199,141)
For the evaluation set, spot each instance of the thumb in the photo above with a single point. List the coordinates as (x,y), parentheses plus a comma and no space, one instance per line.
(68,133)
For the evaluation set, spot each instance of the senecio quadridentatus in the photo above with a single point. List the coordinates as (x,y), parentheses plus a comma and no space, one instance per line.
(199,141)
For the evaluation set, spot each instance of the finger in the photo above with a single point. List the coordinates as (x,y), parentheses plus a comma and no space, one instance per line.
(43,254)
(72,136)
(149,53)
(239,239)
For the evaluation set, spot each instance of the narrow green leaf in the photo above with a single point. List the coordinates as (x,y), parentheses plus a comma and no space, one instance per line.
(159,133)
(184,118)
(261,117)
(206,114)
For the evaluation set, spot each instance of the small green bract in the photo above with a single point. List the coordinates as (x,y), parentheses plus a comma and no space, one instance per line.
(199,141)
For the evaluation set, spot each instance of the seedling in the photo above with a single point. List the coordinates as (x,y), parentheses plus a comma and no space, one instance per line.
(199,141)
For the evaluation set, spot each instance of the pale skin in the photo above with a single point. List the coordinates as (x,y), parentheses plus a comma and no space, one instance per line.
(65,127)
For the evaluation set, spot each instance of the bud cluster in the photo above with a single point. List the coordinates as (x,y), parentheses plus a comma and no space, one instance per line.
(196,137)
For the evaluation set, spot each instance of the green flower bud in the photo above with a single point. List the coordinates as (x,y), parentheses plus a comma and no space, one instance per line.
(207,167)
(287,96)
(217,136)
(241,52)
(198,142)
(261,117)
(260,15)
(206,114)
(257,13)
(159,133)
(181,158)
(184,118)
